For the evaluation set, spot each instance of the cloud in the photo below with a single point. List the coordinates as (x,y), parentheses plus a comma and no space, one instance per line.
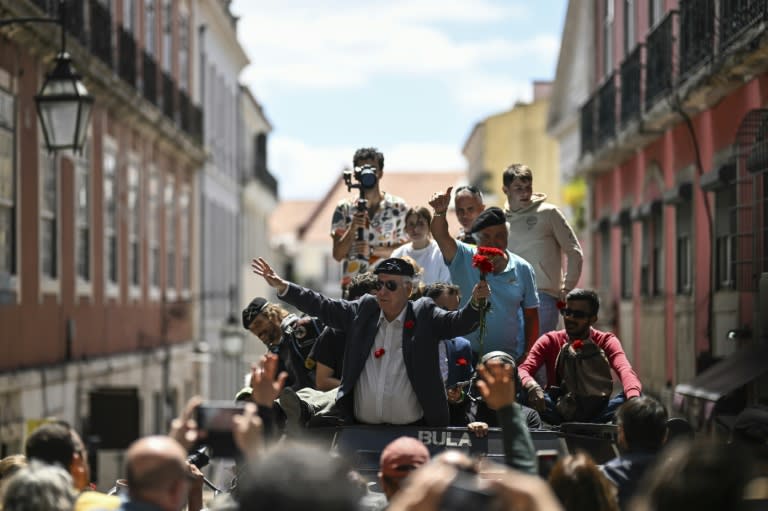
(307,172)
(302,45)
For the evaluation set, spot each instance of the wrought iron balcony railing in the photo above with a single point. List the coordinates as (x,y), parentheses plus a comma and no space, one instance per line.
(149,77)
(659,48)
(101,32)
(697,34)
(738,16)
(631,86)
(588,132)
(126,67)
(169,97)
(606,110)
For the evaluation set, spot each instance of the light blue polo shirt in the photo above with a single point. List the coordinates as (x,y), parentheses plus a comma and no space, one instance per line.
(511,289)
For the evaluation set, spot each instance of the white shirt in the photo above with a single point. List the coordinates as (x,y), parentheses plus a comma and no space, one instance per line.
(383,393)
(429,258)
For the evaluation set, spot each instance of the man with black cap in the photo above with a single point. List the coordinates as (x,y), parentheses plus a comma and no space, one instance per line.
(391,370)
(287,335)
(512,278)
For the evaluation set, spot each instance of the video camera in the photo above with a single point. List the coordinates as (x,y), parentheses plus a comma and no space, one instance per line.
(365,176)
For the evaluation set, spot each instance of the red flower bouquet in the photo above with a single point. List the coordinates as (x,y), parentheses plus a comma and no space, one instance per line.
(482,259)
(379,353)
(577,344)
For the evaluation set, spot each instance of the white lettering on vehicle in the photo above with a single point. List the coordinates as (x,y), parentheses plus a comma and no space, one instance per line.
(445,438)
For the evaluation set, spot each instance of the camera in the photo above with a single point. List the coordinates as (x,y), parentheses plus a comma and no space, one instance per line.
(466,492)
(214,424)
(365,176)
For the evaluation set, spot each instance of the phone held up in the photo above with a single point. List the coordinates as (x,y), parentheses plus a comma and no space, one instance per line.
(214,423)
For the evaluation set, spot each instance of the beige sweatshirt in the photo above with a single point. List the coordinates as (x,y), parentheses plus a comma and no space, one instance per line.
(540,234)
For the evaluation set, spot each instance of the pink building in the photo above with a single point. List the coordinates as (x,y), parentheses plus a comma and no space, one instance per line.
(672,128)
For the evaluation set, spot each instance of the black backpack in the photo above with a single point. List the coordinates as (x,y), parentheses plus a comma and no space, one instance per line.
(585,380)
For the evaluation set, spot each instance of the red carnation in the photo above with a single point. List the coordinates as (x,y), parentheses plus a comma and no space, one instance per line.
(461,362)
(490,251)
(560,305)
(408,324)
(379,353)
(577,344)
(482,263)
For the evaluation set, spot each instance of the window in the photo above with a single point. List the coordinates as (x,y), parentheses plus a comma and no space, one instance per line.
(49,192)
(110,217)
(626,260)
(153,227)
(683,260)
(7,187)
(129,15)
(83,214)
(655,12)
(150,23)
(134,224)
(604,275)
(184,237)
(184,51)
(167,35)
(651,264)
(630,21)
(170,232)
(608,37)
(725,237)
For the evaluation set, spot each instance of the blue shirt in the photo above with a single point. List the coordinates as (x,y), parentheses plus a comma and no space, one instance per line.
(511,289)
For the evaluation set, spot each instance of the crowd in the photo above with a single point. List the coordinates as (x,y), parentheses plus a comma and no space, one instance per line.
(434,329)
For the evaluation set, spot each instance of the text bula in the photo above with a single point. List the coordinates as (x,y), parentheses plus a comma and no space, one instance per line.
(446,438)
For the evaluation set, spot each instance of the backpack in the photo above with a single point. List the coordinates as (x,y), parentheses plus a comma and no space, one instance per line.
(585,380)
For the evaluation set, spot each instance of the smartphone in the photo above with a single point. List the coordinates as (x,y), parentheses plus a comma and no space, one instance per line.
(466,494)
(214,424)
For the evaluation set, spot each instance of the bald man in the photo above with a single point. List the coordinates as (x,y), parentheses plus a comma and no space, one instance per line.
(157,474)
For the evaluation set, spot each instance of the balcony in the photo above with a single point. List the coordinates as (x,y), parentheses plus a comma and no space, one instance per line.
(101,32)
(588,125)
(127,56)
(697,34)
(658,62)
(196,123)
(150,78)
(738,17)
(606,110)
(631,74)
(169,97)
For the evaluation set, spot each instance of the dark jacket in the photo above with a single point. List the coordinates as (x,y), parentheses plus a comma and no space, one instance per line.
(360,320)
(626,471)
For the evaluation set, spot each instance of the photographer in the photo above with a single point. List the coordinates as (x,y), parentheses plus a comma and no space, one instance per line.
(370,227)
(286,335)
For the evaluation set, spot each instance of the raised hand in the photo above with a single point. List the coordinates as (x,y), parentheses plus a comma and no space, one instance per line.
(262,268)
(497,385)
(265,386)
(440,201)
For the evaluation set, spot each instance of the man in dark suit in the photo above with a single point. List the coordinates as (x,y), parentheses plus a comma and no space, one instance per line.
(391,371)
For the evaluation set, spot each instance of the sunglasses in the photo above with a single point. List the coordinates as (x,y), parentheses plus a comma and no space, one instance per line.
(389,284)
(469,188)
(574,314)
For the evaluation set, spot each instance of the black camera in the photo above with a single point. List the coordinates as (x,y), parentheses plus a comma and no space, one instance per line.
(467,492)
(365,176)
(214,423)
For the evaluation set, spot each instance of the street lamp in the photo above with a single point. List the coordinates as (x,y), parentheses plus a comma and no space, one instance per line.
(63,103)
(231,336)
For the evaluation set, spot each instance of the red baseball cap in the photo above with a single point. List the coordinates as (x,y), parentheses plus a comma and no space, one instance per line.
(402,456)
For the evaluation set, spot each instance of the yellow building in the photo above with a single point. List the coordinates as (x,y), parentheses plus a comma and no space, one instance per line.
(518,135)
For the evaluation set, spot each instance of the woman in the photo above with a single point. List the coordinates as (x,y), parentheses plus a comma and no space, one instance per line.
(422,248)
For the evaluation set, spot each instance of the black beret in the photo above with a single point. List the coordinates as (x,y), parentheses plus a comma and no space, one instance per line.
(395,266)
(254,308)
(489,217)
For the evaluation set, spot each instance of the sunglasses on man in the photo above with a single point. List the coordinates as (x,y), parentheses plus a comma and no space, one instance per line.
(574,313)
(389,284)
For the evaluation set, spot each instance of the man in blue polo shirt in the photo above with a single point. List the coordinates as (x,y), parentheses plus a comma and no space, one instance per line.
(512,280)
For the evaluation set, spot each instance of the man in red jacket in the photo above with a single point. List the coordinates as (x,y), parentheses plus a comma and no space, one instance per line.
(579,314)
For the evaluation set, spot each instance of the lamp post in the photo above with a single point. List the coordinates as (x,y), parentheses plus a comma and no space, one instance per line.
(63,103)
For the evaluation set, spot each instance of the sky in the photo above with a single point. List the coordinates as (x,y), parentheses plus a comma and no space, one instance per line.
(410,77)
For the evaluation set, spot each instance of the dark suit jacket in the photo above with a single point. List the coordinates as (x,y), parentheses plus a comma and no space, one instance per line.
(360,320)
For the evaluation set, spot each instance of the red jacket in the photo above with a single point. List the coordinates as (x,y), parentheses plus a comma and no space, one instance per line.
(547,347)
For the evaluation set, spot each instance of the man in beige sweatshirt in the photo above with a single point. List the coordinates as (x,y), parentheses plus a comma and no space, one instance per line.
(540,234)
